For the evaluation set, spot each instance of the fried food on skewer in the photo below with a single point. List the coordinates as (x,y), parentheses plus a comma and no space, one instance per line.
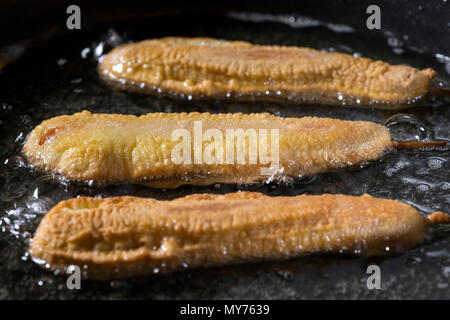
(114,149)
(206,67)
(129,236)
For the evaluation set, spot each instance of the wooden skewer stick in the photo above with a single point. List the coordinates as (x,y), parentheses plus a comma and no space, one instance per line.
(439,91)
(419,144)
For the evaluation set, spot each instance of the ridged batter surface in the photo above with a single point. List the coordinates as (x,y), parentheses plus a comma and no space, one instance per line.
(127,236)
(112,148)
(211,67)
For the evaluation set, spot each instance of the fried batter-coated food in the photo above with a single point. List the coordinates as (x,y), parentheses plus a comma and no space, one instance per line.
(113,149)
(128,236)
(217,68)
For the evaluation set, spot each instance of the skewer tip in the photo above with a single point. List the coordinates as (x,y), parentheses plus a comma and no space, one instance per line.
(438,217)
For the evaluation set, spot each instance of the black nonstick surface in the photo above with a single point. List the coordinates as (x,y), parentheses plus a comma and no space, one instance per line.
(58,76)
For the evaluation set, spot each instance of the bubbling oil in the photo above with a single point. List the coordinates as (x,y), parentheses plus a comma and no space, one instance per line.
(65,81)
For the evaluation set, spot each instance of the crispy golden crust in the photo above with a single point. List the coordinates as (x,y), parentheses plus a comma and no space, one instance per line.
(210,67)
(111,148)
(127,236)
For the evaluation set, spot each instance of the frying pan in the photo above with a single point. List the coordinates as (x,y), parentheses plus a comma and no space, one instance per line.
(52,71)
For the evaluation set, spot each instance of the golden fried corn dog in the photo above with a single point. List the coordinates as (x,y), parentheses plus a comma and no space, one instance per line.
(218,68)
(112,148)
(128,236)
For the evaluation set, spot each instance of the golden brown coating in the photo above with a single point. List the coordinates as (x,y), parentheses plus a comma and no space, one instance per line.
(211,67)
(128,236)
(112,148)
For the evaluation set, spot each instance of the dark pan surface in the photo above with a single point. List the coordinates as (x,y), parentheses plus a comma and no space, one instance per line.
(53,78)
